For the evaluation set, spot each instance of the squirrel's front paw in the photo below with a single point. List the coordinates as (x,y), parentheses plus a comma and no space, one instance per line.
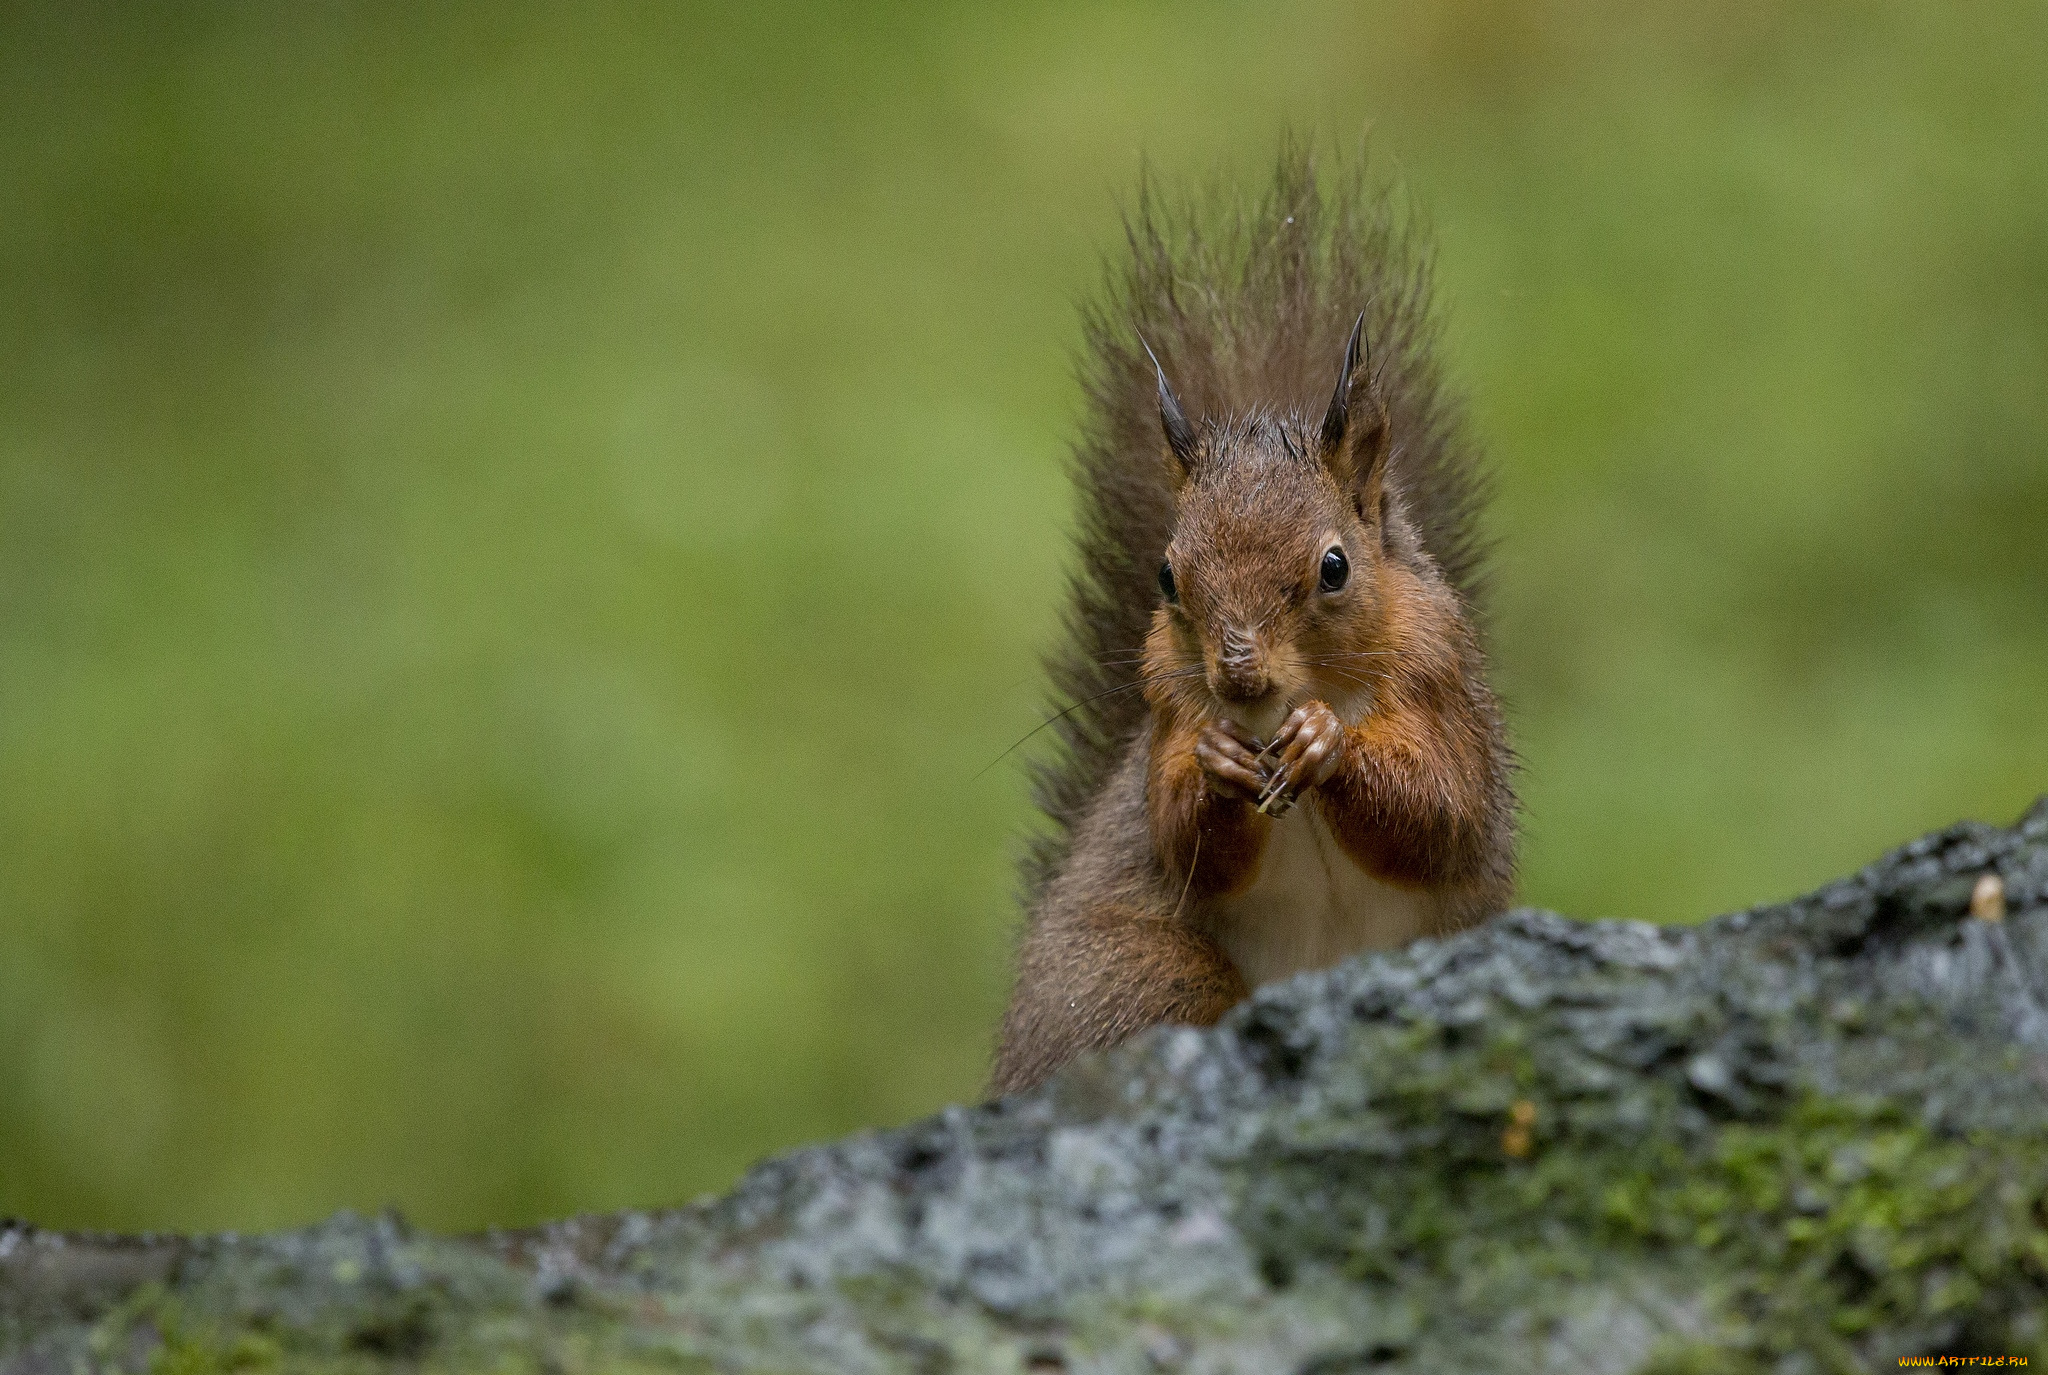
(1304,752)
(1230,760)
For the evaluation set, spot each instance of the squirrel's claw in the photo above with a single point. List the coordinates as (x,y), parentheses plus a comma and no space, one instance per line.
(1278,797)
(1228,761)
(1309,746)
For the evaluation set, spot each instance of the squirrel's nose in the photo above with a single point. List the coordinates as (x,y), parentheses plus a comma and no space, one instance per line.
(1240,671)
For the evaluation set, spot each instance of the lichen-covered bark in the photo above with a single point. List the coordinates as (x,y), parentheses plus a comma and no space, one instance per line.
(1811,1137)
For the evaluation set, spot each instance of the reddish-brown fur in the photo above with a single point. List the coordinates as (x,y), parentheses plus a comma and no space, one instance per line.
(1364,703)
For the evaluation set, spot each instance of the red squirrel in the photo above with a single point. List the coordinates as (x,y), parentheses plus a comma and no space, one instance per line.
(1284,748)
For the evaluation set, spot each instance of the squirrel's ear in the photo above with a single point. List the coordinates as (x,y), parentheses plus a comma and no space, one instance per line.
(1180,436)
(1354,446)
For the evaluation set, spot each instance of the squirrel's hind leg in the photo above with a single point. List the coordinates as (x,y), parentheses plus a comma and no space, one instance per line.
(1092,980)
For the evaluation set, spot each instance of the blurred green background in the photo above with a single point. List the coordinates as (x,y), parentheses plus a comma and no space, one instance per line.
(521,527)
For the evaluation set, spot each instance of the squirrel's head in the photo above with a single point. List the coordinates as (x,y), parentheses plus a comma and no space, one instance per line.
(1272,584)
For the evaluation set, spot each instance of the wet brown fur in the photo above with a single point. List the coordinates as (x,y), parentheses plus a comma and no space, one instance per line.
(1248,308)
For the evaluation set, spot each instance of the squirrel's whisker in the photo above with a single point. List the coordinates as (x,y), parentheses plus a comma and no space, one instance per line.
(1192,861)
(1074,707)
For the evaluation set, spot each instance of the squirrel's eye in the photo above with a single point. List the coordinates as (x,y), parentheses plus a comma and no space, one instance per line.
(1336,568)
(1166,587)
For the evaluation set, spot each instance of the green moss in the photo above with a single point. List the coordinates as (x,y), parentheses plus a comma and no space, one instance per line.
(1856,1217)
(1828,1221)
(365,1332)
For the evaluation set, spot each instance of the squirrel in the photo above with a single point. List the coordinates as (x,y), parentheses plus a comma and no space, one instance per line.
(1283,748)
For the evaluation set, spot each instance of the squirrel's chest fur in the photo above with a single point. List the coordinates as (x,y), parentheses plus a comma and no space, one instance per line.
(1310,905)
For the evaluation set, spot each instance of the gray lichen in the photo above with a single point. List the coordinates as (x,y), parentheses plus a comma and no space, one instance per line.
(1811,1137)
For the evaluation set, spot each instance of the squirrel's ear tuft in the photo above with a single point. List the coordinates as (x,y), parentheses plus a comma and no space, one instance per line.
(1338,417)
(1353,446)
(1180,436)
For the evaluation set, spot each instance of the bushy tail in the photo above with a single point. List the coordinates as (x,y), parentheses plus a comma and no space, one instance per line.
(1247,302)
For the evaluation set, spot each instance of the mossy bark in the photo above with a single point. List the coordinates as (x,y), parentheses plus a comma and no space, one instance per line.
(1811,1137)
